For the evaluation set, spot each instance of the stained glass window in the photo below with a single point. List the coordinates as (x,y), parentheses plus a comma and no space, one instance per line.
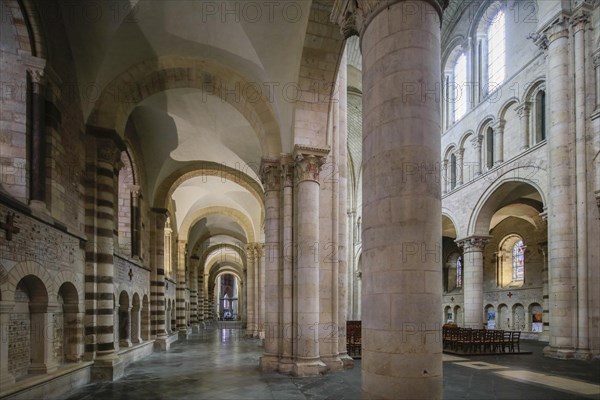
(518,257)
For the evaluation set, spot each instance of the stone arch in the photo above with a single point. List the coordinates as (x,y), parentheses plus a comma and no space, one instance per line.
(491,199)
(519,317)
(537,84)
(211,249)
(452,49)
(240,218)
(153,76)
(22,270)
(71,324)
(503,316)
(504,108)
(451,148)
(447,213)
(66,276)
(464,138)
(206,168)
(483,15)
(24,16)
(485,122)
(459,315)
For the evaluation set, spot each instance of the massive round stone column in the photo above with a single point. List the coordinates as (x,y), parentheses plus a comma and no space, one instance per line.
(561,205)
(308,164)
(402,276)
(100,253)
(473,279)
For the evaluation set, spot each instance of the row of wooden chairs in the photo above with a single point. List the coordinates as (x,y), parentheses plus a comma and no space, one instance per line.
(353,338)
(469,340)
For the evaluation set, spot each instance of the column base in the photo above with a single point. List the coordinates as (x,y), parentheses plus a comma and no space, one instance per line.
(583,354)
(347,361)
(304,368)
(162,344)
(124,343)
(39,207)
(334,363)
(40,369)
(6,379)
(269,363)
(107,370)
(560,353)
(286,365)
(195,328)
(184,333)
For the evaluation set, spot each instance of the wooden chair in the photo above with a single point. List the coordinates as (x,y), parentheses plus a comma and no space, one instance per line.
(488,340)
(477,340)
(515,339)
(506,341)
(498,339)
(465,340)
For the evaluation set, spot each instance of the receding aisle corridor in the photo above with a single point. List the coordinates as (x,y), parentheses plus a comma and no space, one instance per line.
(222,364)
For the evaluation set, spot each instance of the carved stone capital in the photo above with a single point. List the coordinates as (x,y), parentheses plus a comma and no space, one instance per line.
(270,175)
(35,67)
(473,243)
(581,17)
(109,144)
(498,126)
(523,110)
(353,16)
(160,215)
(308,162)
(539,39)
(558,29)
(259,249)
(459,153)
(251,251)
(287,174)
(596,59)
(477,141)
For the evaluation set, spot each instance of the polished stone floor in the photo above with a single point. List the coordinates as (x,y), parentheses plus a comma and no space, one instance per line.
(222,364)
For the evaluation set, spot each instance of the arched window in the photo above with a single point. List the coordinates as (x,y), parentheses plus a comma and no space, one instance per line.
(540,116)
(460,87)
(489,146)
(459,272)
(518,262)
(511,261)
(496,56)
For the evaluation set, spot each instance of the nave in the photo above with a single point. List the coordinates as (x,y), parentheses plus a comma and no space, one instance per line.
(221,363)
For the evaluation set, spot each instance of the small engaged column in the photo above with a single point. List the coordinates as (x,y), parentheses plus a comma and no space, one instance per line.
(287,329)
(194,311)
(271,183)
